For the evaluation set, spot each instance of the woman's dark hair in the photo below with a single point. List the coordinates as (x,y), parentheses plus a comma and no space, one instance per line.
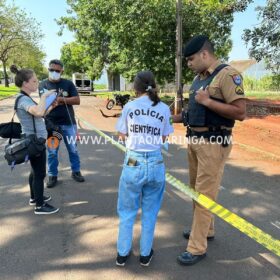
(145,82)
(22,75)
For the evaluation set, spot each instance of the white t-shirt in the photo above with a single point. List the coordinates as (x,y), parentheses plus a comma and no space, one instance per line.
(144,124)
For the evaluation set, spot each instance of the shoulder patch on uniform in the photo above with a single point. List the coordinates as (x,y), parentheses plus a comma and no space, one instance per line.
(237,79)
(239,90)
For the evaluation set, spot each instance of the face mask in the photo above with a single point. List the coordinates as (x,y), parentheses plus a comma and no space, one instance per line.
(54,76)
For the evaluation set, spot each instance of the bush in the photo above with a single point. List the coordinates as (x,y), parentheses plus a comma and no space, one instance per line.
(266,83)
(100,86)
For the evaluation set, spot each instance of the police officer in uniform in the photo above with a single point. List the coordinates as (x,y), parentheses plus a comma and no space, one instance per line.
(216,100)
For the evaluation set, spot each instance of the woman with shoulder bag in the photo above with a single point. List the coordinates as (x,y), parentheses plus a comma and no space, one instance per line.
(145,125)
(30,116)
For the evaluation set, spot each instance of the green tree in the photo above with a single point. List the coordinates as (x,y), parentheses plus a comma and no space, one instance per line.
(73,57)
(76,58)
(127,36)
(29,56)
(265,38)
(19,34)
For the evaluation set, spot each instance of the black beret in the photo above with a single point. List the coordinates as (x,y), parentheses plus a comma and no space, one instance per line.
(194,45)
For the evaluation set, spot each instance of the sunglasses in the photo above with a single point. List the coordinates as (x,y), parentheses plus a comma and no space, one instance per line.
(54,70)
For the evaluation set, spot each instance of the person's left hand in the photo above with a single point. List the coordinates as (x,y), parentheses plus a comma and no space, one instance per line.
(60,100)
(202,96)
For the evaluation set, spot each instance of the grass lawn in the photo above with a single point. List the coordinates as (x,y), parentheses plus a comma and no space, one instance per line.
(7,91)
(261,95)
(100,87)
(164,97)
(270,95)
(109,94)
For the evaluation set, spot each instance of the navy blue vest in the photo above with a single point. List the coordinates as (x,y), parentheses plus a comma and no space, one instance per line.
(199,115)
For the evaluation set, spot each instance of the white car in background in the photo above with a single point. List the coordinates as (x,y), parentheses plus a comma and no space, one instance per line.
(82,82)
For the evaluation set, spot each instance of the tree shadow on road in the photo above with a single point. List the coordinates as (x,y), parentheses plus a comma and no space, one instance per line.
(80,241)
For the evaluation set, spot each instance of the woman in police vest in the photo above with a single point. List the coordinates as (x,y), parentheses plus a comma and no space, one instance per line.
(144,124)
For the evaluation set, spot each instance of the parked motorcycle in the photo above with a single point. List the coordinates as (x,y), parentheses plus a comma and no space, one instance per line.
(118,99)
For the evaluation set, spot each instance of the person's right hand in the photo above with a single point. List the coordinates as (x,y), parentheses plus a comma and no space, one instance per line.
(54,104)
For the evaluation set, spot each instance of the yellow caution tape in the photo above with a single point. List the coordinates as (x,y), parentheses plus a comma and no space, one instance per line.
(247,228)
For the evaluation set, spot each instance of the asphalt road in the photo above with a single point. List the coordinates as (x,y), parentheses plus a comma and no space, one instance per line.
(80,241)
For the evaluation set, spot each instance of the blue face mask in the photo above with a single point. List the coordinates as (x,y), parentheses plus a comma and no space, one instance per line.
(54,75)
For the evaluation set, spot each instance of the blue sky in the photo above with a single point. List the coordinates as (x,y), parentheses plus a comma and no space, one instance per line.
(247,19)
(46,11)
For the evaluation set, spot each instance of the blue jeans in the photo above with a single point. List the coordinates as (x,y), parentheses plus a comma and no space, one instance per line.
(69,136)
(140,186)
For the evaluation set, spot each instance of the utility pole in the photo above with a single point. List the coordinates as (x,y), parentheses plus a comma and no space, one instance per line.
(178,75)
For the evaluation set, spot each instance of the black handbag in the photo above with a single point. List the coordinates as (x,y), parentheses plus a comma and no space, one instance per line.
(22,150)
(11,129)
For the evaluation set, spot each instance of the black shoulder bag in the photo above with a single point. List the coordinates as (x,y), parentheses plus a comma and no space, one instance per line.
(11,129)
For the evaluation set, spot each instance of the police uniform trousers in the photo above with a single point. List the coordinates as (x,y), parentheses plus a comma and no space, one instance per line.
(206,166)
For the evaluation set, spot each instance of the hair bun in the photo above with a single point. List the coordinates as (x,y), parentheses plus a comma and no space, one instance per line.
(14,69)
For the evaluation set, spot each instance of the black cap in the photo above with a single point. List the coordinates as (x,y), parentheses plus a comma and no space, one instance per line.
(194,45)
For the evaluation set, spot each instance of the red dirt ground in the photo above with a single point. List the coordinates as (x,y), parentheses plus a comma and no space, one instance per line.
(256,144)
(257,140)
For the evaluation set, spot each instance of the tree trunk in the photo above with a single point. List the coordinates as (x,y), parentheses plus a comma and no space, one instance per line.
(5,74)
